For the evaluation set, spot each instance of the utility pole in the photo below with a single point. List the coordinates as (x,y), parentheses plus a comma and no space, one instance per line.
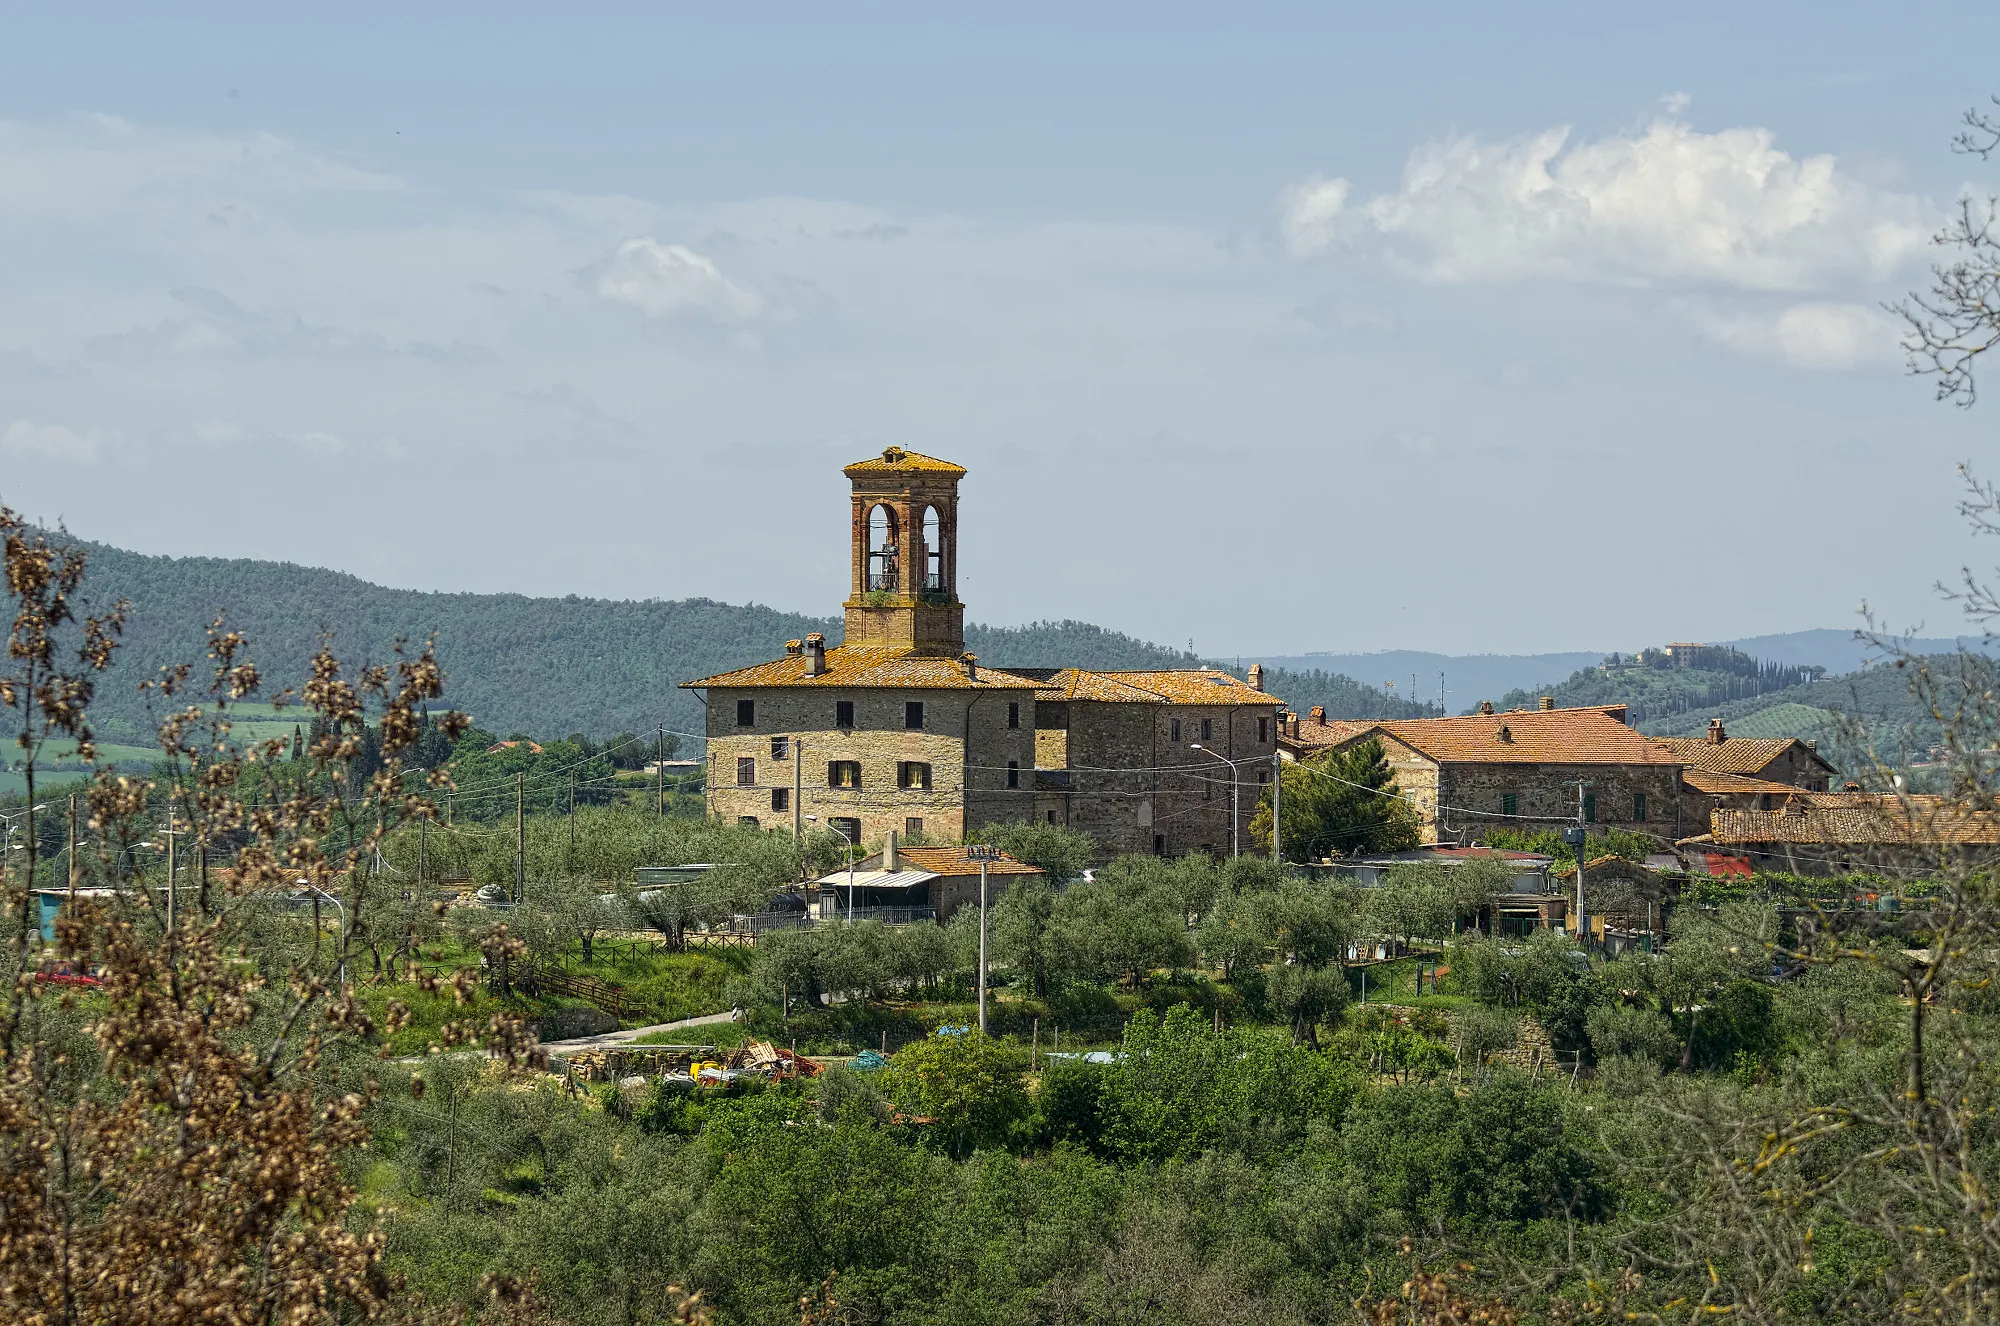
(798,789)
(1575,838)
(572,812)
(172,833)
(423,850)
(520,842)
(660,769)
(72,841)
(982,854)
(1277,808)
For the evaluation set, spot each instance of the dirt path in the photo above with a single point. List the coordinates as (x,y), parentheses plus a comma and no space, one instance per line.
(609,1038)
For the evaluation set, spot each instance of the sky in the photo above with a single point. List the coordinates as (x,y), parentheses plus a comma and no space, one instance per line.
(1271,328)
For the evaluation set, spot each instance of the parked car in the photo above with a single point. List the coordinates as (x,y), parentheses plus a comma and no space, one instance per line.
(56,972)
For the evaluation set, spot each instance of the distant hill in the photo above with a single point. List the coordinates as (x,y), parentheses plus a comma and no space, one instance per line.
(1839,652)
(1468,678)
(543,666)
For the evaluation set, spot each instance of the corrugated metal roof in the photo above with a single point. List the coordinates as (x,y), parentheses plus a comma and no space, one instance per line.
(877,879)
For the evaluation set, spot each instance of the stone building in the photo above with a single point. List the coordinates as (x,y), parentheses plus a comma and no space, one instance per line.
(898,729)
(1837,832)
(1520,769)
(1774,759)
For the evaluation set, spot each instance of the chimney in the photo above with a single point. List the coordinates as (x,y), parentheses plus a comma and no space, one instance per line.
(971,662)
(1548,702)
(1716,732)
(793,649)
(1486,706)
(1256,676)
(815,655)
(1506,733)
(891,860)
(1812,744)
(1318,714)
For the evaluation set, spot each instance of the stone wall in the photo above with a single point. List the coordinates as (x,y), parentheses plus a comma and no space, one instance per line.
(965,740)
(1547,794)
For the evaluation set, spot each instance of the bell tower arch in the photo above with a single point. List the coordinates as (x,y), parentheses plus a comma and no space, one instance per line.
(904,539)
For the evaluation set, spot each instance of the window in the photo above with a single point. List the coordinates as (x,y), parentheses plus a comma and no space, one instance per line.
(746,771)
(913,715)
(1639,807)
(1510,804)
(1207,729)
(1159,844)
(913,827)
(1013,713)
(913,776)
(1052,817)
(781,798)
(843,773)
(1263,730)
(747,821)
(843,713)
(1263,775)
(852,828)
(746,713)
(1590,807)
(778,747)
(1013,773)
(1173,729)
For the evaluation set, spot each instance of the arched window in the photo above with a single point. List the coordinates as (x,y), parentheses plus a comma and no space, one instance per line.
(933,550)
(882,549)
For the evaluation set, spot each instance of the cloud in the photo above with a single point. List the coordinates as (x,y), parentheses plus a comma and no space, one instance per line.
(25,438)
(89,166)
(1813,335)
(673,281)
(1667,206)
(218,325)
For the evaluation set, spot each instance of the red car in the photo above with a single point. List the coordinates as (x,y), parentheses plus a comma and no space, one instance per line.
(65,973)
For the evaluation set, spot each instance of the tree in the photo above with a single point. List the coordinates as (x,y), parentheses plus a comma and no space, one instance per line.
(1339,803)
(966,1082)
(1057,850)
(1023,931)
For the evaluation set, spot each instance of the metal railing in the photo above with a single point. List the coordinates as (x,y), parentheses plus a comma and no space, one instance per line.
(886,915)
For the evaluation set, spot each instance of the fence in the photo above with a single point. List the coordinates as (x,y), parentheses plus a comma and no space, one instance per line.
(599,994)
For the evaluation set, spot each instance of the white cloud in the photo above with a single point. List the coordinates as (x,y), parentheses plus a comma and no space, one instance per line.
(673,281)
(1667,206)
(1812,335)
(24,437)
(86,166)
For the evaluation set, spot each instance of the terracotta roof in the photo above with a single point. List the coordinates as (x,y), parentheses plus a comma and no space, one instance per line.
(1856,819)
(1701,780)
(1314,737)
(1736,755)
(1157,686)
(1524,736)
(856,665)
(895,460)
(953,861)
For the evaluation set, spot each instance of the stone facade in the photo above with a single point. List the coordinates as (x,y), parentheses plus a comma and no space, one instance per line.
(1644,797)
(1109,754)
(964,740)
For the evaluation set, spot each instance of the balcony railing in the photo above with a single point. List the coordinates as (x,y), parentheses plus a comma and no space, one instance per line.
(882,581)
(832,910)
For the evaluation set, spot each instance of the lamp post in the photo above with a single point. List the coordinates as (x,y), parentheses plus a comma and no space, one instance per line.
(319,893)
(850,863)
(1234,784)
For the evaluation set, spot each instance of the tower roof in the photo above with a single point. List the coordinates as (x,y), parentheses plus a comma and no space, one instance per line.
(896,461)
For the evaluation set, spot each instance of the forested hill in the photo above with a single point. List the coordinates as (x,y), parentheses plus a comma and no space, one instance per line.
(543,666)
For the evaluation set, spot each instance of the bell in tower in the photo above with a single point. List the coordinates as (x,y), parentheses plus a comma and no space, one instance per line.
(905,537)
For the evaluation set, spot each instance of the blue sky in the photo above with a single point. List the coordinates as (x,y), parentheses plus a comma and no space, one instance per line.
(1277,328)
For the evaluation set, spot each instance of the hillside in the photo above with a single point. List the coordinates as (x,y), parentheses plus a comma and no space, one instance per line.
(543,666)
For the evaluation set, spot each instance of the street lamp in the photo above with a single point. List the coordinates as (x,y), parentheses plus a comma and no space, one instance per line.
(850,863)
(1234,784)
(982,853)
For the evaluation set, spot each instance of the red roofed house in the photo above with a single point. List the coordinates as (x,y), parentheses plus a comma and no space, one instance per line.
(899,729)
(1520,769)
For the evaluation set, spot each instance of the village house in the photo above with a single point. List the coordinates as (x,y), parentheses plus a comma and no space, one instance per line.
(902,884)
(1836,832)
(1786,760)
(1520,769)
(898,729)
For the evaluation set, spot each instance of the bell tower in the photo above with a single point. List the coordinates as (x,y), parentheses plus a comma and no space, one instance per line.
(905,553)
